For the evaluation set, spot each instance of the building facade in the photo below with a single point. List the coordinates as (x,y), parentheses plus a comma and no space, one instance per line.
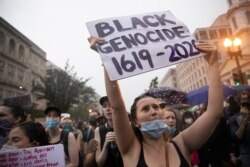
(22,64)
(170,79)
(193,74)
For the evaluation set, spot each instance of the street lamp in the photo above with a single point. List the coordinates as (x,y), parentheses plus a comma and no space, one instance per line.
(233,49)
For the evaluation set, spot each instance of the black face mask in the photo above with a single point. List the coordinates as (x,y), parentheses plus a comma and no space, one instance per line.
(93,122)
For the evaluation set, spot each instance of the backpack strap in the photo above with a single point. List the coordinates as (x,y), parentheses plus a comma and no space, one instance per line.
(64,138)
(88,134)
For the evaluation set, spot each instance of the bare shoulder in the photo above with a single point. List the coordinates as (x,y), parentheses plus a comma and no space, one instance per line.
(71,136)
(97,129)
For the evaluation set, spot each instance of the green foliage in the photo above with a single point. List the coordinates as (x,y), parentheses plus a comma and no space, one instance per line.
(64,89)
(80,112)
(35,113)
(154,83)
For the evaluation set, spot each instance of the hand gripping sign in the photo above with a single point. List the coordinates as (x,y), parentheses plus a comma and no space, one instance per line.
(142,43)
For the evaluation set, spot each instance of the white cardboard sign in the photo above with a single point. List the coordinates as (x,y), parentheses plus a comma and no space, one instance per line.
(142,43)
(44,156)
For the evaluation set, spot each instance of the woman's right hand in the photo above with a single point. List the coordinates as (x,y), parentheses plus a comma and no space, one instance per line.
(93,41)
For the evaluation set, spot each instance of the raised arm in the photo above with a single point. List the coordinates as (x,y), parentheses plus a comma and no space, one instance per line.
(197,134)
(125,136)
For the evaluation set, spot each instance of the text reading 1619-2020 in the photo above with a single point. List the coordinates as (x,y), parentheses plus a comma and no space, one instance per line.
(177,52)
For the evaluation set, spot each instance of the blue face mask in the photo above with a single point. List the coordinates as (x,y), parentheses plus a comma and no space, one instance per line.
(153,129)
(67,127)
(52,123)
(169,131)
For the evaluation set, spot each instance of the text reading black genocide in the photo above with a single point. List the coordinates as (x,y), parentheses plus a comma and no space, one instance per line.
(121,43)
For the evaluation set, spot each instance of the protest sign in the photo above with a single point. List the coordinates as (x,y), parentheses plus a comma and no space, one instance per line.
(44,156)
(141,43)
(23,101)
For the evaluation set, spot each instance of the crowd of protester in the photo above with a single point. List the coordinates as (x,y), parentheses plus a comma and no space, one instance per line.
(207,137)
(95,142)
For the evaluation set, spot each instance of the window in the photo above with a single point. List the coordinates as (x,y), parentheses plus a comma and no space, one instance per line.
(2,65)
(12,46)
(2,40)
(234,23)
(223,33)
(205,81)
(201,83)
(203,69)
(248,17)
(213,34)
(11,70)
(203,35)
(20,74)
(21,53)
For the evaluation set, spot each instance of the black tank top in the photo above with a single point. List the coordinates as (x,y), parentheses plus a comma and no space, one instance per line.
(183,161)
(114,158)
(142,162)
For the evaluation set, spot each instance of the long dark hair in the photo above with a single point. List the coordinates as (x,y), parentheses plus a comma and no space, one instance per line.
(35,132)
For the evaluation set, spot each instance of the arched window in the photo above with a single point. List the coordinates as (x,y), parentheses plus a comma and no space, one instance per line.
(12,47)
(2,40)
(21,52)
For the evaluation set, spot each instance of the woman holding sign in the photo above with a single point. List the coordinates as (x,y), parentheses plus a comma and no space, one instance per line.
(142,144)
(25,135)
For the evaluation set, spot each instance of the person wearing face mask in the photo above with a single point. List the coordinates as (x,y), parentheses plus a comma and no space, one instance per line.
(93,123)
(141,143)
(25,135)
(9,116)
(187,119)
(240,129)
(170,119)
(57,135)
(67,124)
